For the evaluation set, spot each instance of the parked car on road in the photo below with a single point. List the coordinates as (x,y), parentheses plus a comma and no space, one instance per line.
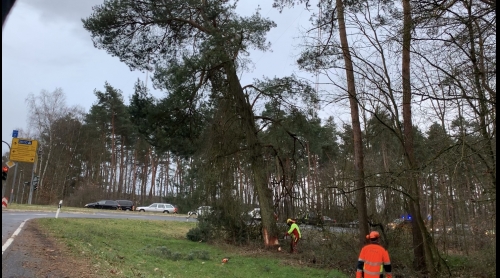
(90,205)
(490,232)
(399,223)
(452,229)
(325,220)
(203,210)
(392,225)
(353,224)
(104,204)
(309,218)
(312,218)
(255,214)
(158,207)
(125,204)
(440,229)
(462,228)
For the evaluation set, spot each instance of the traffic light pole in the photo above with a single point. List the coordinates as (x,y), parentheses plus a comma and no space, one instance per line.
(31,184)
(18,190)
(39,180)
(4,183)
(13,184)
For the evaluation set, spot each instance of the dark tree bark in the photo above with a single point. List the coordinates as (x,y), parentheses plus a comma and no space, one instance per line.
(423,260)
(356,128)
(265,194)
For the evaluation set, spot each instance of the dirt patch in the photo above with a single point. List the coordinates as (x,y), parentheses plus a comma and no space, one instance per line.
(49,258)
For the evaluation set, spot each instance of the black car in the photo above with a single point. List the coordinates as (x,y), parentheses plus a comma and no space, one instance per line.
(125,204)
(104,204)
(310,218)
(327,221)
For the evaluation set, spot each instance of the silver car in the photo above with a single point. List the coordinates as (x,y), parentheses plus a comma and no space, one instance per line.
(158,207)
(255,214)
(203,210)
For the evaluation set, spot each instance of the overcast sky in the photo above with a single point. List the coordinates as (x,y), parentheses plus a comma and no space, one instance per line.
(44,47)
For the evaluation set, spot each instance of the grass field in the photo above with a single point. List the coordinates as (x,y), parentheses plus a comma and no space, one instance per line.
(135,248)
(142,248)
(139,248)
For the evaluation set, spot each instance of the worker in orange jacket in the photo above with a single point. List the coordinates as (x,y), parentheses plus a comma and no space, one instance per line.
(373,259)
(294,232)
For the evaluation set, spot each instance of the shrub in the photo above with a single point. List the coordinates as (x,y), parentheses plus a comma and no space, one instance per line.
(202,232)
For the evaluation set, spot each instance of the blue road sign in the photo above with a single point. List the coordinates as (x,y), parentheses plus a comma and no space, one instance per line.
(25,142)
(14,133)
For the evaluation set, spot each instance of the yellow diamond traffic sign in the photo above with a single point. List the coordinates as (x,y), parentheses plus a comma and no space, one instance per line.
(10,164)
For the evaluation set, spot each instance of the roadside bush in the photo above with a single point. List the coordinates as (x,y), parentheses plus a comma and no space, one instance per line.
(337,250)
(230,226)
(202,232)
(229,222)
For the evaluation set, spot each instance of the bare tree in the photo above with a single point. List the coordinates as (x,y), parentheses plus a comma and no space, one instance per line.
(46,109)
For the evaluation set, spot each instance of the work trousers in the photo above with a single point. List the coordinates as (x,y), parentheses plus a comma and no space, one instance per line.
(293,245)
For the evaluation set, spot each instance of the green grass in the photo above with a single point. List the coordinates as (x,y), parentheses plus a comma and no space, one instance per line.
(135,248)
(142,248)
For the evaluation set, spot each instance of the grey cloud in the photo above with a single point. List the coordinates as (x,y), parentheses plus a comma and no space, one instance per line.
(67,12)
(63,10)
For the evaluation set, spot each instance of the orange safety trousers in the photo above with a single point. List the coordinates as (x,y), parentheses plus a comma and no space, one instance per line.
(371,262)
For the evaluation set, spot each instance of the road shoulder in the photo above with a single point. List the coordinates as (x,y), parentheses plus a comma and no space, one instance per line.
(34,254)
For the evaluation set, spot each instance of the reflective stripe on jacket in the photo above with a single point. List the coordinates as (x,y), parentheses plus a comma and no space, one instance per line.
(373,260)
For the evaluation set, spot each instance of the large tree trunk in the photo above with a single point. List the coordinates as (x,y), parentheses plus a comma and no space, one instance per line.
(359,179)
(154,166)
(265,195)
(423,248)
(122,176)
(134,177)
(167,174)
(112,181)
(149,160)
(483,109)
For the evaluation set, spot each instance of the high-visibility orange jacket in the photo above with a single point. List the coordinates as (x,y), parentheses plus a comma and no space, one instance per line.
(372,262)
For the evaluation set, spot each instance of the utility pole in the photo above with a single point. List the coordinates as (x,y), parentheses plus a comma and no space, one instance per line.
(40,152)
(4,183)
(33,183)
(19,185)
(13,183)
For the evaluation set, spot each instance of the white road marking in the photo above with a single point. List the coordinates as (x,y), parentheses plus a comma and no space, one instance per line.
(11,239)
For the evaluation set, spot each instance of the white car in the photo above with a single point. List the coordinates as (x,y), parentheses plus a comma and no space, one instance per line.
(255,213)
(203,210)
(158,207)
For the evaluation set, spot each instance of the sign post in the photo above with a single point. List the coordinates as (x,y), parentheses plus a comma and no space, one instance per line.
(59,208)
(24,150)
(34,180)
(13,183)
(39,161)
